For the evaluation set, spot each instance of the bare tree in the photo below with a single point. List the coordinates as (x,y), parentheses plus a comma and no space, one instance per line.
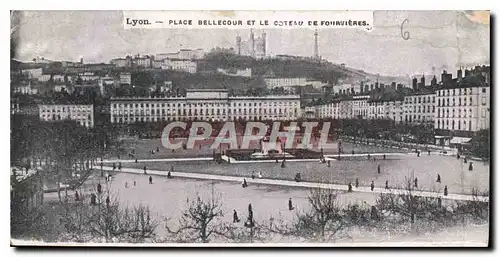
(199,221)
(322,222)
(109,222)
(409,206)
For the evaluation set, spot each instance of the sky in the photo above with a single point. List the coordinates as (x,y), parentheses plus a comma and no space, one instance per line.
(438,40)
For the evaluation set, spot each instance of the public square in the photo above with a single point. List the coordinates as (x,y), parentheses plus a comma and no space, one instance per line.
(395,169)
(167,198)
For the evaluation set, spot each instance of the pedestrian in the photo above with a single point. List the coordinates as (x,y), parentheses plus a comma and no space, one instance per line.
(416,182)
(276,160)
(145,170)
(114,166)
(378,169)
(126,184)
(387,184)
(372,185)
(384,156)
(458,156)
(352,152)
(297,177)
(150,180)
(92,199)
(445,190)
(349,187)
(374,213)
(328,163)
(119,166)
(260,174)
(368,157)
(250,212)
(235,217)
(157,149)
(107,201)
(470,166)
(135,160)
(418,154)
(134,182)
(465,159)
(290,205)
(99,188)
(429,152)
(438,179)
(357,182)
(244,184)
(169,175)
(77,197)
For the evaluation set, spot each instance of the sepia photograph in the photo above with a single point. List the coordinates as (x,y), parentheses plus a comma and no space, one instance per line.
(250,128)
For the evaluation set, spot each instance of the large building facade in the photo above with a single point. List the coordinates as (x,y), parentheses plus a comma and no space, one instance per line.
(420,109)
(463,109)
(205,105)
(82,114)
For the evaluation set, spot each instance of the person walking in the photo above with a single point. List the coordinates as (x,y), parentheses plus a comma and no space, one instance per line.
(349,187)
(99,188)
(235,217)
(416,182)
(250,213)
(378,169)
(253,175)
(470,166)
(120,166)
(107,201)
(145,170)
(357,182)
(260,174)
(77,197)
(114,166)
(134,182)
(150,180)
(290,205)
(438,179)
(372,185)
(445,190)
(92,199)
(387,184)
(244,184)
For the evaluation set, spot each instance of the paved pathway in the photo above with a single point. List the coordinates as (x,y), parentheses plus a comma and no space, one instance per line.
(302,184)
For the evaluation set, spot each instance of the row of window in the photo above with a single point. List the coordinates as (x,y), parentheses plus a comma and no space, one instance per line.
(441,125)
(170,118)
(420,99)
(147,105)
(457,91)
(453,102)
(59,117)
(212,111)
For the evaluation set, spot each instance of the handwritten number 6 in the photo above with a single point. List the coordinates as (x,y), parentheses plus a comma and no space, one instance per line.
(405,34)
